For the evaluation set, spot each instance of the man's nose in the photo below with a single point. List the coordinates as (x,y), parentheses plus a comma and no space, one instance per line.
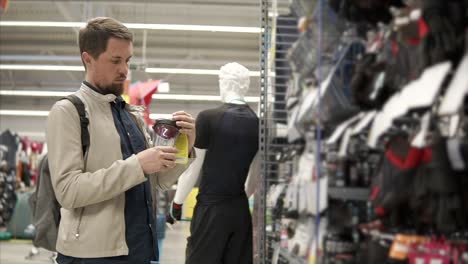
(123,69)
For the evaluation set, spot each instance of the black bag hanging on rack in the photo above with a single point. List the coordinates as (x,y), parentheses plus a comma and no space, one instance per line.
(380,75)
(446,21)
(443,191)
(337,103)
(364,88)
(393,186)
(370,11)
(336,96)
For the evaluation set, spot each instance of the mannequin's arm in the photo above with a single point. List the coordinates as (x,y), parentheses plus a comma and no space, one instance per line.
(189,177)
(252,178)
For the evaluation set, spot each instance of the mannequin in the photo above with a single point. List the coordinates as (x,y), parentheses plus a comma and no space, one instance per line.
(226,151)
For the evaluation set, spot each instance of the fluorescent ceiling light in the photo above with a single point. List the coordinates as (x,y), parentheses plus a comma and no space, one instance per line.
(46,113)
(40,67)
(23,113)
(192,71)
(158,116)
(32,67)
(157,96)
(184,97)
(188,97)
(41,24)
(229,29)
(182,71)
(34,93)
(34,135)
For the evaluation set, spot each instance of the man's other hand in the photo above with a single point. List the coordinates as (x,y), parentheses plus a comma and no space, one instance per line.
(157,159)
(187,126)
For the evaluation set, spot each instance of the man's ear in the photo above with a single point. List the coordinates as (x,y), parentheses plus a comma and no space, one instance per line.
(86,57)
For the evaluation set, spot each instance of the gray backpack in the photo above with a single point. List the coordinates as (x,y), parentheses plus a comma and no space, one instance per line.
(44,204)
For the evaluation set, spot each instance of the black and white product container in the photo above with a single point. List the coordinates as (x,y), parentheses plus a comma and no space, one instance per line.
(166,132)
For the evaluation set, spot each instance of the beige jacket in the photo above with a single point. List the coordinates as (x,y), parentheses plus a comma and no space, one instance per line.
(93,199)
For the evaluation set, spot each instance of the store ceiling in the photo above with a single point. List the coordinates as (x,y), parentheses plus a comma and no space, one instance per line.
(164,49)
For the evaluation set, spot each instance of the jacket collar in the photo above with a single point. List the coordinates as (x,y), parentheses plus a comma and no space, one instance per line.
(103,98)
(109,98)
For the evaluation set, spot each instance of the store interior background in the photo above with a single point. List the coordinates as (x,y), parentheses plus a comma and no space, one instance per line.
(26,95)
(287,226)
(173,49)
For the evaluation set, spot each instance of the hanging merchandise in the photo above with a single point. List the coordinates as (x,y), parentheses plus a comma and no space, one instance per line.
(141,94)
(446,23)
(440,194)
(336,102)
(9,143)
(375,154)
(453,100)
(303,54)
(300,237)
(372,11)
(417,95)
(392,185)
(303,8)
(302,193)
(12,142)
(367,85)
(8,198)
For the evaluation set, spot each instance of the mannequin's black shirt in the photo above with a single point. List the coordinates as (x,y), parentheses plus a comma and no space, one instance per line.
(229,134)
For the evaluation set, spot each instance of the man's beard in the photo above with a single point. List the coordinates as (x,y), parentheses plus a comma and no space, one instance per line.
(114,88)
(117,88)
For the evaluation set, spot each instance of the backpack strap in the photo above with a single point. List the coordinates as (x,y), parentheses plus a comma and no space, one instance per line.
(84,121)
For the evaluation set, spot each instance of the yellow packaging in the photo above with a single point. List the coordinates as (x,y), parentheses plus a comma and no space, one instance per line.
(126,98)
(190,202)
(181,144)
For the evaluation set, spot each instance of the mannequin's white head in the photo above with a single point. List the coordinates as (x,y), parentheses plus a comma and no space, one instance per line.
(234,82)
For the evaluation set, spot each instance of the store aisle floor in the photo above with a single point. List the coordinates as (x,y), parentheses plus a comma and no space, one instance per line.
(173,248)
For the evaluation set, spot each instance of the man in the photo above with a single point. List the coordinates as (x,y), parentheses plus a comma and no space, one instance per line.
(227,162)
(106,214)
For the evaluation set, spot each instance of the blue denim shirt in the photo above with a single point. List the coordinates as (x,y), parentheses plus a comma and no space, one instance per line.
(140,226)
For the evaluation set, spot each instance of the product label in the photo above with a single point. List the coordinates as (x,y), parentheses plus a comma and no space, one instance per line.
(181,144)
(160,141)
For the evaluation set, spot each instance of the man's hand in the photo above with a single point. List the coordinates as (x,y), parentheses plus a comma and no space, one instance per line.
(175,213)
(187,126)
(157,159)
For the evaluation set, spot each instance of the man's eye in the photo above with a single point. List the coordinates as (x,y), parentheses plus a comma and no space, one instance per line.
(115,62)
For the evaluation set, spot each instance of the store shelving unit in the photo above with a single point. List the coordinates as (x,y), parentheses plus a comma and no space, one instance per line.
(274,72)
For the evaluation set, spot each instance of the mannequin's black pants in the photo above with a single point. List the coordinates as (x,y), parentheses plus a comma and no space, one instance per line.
(221,232)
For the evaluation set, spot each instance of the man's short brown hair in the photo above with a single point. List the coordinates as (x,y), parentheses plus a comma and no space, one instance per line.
(94,37)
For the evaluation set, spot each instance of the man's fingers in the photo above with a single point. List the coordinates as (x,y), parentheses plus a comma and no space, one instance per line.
(168,156)
(180,113)
(186,125)
(169,164)
(183,116)
(186,131)
(166,149)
